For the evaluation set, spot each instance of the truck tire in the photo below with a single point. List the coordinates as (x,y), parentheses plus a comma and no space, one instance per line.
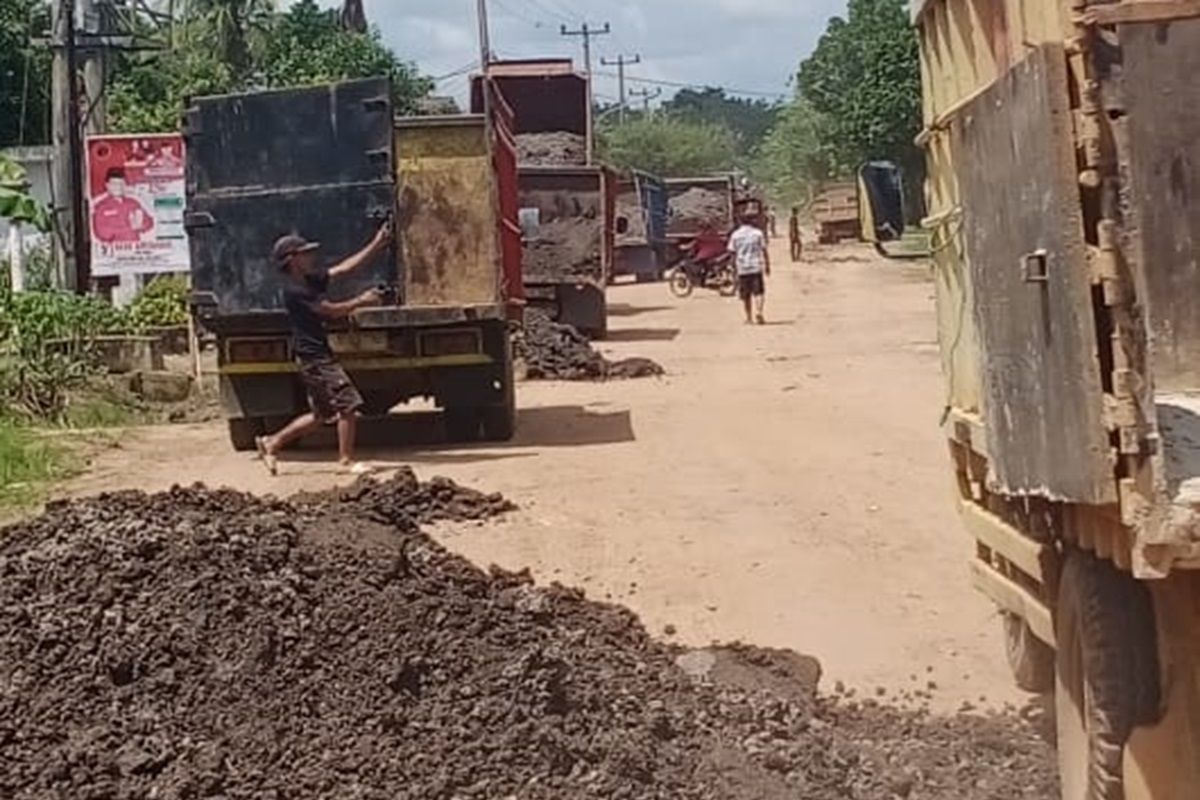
(1030,659)
(1106,674)
(243,432)
(462,423)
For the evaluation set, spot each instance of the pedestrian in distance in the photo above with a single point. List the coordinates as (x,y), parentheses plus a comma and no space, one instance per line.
(797,243)
(332,395)
(749,247)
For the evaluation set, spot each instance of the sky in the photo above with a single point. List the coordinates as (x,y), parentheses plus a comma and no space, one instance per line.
(752,46)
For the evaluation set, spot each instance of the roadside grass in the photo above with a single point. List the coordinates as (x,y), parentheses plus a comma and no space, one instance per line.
(29,463)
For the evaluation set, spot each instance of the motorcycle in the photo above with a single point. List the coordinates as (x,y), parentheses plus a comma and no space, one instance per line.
(716,274)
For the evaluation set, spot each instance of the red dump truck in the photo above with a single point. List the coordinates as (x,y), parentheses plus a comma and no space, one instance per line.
(331,162)
(567,204)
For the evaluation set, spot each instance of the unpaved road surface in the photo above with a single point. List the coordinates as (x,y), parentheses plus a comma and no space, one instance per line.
(785,486)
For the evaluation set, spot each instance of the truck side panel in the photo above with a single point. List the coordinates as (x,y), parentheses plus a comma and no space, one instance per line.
(1043,402)
(1159,68)
(449,217)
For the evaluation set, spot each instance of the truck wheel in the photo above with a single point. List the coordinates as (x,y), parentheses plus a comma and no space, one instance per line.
(462,424)
(1106,674)
(1031,659)
(243,432)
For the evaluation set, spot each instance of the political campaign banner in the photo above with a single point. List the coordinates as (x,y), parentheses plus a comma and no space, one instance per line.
(136,204)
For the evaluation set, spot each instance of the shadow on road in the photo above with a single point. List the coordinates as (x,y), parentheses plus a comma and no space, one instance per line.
(626,310)
(548,426)
(643,335)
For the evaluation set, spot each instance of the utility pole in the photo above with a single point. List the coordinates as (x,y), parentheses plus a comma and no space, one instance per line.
(67,176)
(587,33)
(95,66)
(647,95)
(620,62)
(485,43)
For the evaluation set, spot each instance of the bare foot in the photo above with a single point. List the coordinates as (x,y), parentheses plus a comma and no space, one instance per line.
(264,453)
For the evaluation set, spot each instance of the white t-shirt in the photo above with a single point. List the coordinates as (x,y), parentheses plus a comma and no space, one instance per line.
(749,245)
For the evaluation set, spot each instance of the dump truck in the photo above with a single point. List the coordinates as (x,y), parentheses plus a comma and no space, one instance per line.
(695,202)
(1063,151)
(563,197)
(566,216)
(331,162)
(641,227)
(835,210)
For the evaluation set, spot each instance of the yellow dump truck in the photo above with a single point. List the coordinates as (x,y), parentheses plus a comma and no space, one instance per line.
(1063,147)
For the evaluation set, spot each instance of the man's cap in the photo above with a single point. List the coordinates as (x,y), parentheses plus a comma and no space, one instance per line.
(290,245)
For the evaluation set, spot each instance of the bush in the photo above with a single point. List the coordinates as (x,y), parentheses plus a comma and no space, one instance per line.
(44,351)
(163,303)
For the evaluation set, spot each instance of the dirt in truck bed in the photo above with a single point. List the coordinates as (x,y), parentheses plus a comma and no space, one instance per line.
(698,206)
(552,149)
(565,247)
(556,351)
(200,643)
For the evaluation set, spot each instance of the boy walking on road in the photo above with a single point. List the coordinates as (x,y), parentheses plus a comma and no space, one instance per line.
(331,394)
(749,247)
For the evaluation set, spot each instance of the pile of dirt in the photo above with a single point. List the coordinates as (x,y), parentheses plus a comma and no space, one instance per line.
(699,206)
(556,351)
(565,247)
(407,503)
(200,643)
(552,149)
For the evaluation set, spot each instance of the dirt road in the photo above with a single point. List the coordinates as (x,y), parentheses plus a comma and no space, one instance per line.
(785,486)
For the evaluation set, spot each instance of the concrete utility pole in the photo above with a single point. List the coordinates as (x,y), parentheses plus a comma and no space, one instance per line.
(647,95)
(94,56)
(66,177)
(620,63)
(485,43)
(587,33)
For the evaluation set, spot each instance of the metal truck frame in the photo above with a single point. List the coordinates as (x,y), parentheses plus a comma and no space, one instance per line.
(1063,146)
(331,162)
(681,233)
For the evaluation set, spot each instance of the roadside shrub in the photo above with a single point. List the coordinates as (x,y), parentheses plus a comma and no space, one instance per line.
(44,348)
(162,303)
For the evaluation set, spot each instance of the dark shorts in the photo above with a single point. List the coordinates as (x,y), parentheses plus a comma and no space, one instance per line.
(331,393)
(751,286)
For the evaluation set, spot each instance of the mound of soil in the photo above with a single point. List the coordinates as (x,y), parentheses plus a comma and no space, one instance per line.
(552,149)
(699,206)
(565,247)
(556,351)
(209,644)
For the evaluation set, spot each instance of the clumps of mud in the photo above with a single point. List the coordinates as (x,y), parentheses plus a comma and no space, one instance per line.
(565,247)
(557,351)
(210,644)
(698,207)
(552,149)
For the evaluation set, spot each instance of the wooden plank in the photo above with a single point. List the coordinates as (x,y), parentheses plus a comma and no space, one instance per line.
(1160,65)
(1019,550)
(1141,11)
(1011,597)
(1043,403)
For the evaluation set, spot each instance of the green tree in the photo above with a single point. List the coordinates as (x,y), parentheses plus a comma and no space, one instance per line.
(669,147)
(24,73)
(864,81)
(795,156)
(302,46)
(309,45)
(16,203)
(749,120)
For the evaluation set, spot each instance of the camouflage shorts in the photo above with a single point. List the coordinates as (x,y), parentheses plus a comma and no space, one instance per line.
(331,393)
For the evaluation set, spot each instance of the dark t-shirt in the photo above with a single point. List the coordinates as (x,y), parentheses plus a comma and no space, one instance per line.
(302,302)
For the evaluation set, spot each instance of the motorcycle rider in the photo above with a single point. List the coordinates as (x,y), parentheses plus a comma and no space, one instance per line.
(708,248)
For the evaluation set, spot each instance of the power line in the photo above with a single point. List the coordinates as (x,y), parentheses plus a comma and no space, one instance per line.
(700,86)
(586,32)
